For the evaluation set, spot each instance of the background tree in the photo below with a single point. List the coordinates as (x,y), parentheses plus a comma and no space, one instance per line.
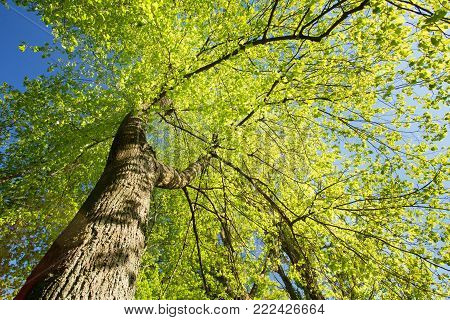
(327,176)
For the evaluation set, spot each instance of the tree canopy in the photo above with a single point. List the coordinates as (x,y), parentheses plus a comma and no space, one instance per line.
(330,122)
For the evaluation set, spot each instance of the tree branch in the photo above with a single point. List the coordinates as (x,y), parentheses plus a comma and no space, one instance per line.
(263,40)
(288,287)
(197,240)
(171,178)
(270,19)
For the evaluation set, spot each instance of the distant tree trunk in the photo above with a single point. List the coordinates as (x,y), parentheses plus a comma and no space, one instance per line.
(97,255)
(292,292)
(300,261)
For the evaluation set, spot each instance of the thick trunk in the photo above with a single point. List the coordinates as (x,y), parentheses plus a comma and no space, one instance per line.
(97,255)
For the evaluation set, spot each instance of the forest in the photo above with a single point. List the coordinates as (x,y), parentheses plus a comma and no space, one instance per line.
(229,149)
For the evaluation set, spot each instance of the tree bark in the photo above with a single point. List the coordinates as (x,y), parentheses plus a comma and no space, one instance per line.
(300,261)
(293,294)
(97,256)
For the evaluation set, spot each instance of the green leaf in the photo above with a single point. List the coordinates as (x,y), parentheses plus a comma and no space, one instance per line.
(434,41)
(22,47)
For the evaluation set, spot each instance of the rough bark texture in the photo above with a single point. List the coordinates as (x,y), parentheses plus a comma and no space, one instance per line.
(170,178)
(97,255)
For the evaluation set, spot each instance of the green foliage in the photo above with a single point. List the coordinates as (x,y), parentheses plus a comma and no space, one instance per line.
(337,131)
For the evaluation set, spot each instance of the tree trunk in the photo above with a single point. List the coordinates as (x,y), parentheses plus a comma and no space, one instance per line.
(97,256)
(292,292)
(300,261)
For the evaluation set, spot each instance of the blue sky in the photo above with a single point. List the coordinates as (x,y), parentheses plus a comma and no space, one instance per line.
(17,25)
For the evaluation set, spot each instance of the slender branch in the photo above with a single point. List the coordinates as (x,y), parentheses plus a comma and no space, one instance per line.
(10,177)
(164,118)
(163,293)
(263,40)
(197,241)
(401,196)
(368,235)
(270,19)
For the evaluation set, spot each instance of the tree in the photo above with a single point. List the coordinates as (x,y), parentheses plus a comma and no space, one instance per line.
(312,130)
